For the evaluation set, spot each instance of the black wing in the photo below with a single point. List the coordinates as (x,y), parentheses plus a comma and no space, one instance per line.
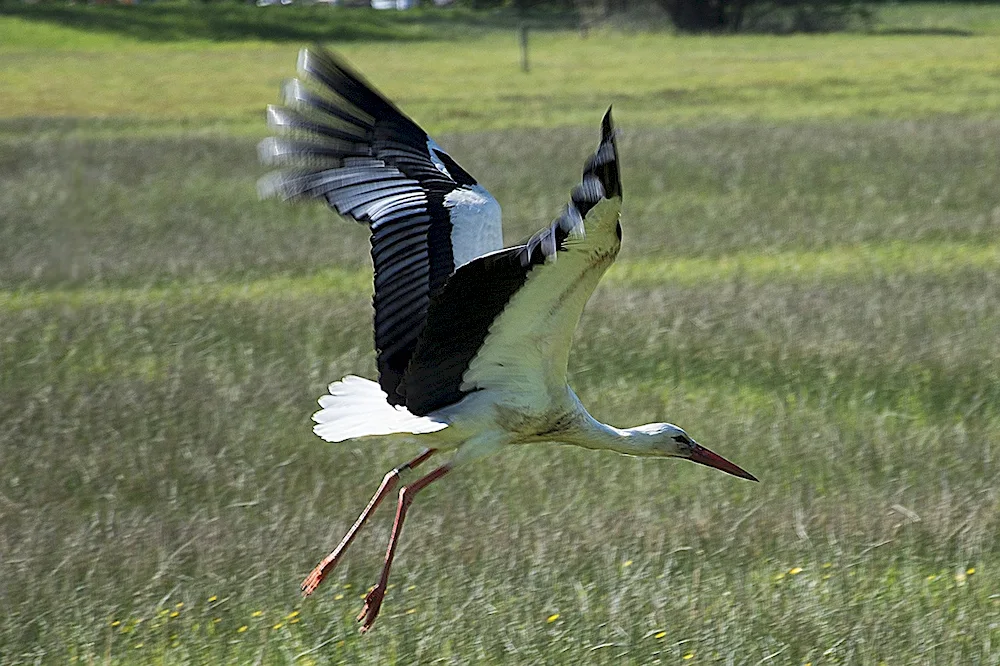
(349,146)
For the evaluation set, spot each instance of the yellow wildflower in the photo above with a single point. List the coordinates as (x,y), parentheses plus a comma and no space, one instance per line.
(794,571)
(116,623)
(660,634)
(256,613)
(689,655)
(213,598)
(552,618)
(294,613)
(278,626)
(242,629)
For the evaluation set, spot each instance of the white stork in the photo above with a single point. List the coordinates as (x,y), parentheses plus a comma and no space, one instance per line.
(472,338)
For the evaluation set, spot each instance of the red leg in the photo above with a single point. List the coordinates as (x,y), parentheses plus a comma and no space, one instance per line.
(373,602)
(313,580)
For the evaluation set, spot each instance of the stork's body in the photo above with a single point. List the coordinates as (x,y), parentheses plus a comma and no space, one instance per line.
(472,339)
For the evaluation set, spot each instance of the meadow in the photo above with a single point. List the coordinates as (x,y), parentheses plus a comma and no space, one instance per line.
(809,284)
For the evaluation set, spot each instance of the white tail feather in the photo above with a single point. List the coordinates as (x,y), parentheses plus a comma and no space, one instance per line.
(358,407)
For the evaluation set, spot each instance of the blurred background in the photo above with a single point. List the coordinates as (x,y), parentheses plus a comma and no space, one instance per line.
(809,284)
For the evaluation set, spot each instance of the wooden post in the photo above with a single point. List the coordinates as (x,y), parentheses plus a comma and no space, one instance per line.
(522,34)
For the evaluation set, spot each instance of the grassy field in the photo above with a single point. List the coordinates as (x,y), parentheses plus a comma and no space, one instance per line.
(810,285)
(116,77)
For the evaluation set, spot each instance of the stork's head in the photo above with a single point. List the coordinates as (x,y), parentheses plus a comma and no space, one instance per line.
(667,440)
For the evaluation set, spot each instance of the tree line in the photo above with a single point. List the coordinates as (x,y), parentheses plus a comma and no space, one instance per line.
(716,16)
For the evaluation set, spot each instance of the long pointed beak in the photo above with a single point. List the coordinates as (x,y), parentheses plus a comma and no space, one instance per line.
(703,456)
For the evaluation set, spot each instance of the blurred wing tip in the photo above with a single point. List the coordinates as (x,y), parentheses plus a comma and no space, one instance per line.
(608,130)
(314,59)
(269,186)
(286,184)
(274,117)
(306,55)
(291,91)
(267,150)
(603,166)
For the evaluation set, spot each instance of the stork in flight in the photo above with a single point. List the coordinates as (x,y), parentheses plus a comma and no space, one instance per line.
(472,338)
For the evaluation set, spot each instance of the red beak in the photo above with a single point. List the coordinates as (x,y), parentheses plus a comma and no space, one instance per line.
(703,456)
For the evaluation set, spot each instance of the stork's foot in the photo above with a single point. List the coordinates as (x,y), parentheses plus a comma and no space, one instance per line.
(313,580)
(373,603)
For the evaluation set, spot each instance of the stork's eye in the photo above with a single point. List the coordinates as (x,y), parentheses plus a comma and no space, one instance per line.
(681,439)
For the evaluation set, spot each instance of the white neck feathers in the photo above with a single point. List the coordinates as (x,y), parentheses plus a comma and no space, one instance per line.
(592,434)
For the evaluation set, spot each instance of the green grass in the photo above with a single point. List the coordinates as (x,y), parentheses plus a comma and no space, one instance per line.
(808,288)
(858,264)
(58,77)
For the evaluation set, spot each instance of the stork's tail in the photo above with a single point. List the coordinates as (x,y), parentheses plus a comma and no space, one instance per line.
(357,407)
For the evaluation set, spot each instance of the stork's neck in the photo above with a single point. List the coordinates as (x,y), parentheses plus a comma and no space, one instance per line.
(592,434)
(629,441)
